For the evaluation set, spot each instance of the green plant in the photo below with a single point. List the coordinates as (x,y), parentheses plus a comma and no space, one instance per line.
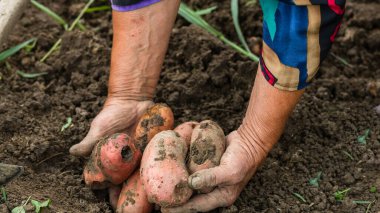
(188,14)
(11,51)
(69,121)
(235,18)
(372,189)
(362,139)
(39,205)
(314,181)
(20,209)
(340,195)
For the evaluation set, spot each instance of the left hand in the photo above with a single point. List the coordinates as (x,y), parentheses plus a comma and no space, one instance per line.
(237,166)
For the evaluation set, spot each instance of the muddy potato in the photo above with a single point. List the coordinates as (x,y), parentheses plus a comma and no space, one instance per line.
(208,143)
(133,198)
(157,118)
(113,160)
(163,170)
(185,130)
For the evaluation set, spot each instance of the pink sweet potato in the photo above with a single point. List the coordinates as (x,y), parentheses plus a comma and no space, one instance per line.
(208,143)
(113,160)
(163,170)
(185,130)
(133,198)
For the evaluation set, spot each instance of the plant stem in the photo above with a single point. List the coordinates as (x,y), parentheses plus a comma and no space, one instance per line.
(82,12)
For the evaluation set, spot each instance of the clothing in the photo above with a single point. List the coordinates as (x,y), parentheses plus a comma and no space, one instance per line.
(297,35)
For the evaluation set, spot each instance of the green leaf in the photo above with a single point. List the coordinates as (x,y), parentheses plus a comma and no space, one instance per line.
(97,9)
(4,194)
(373,189)
(300,197)
(50,13)
(9,52)
(18,209)
(205,11)
(340,195)
(39,205)
(348,155)
(235,18)
(67,124)
(362,139)
(29,47)
(361,201)
(30,75)
(314,181)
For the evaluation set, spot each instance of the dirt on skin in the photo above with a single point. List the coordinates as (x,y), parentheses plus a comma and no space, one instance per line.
(201,79)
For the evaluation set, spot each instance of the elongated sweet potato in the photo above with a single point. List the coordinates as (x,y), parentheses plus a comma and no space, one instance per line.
(133,198)
(113,160)
(207,146)
(157,118)
(185,130)
(163,170)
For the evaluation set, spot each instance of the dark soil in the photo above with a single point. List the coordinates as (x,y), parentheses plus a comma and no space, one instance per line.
(201,79)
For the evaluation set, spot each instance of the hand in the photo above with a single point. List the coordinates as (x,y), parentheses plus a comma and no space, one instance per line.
(237,166)
(116,116)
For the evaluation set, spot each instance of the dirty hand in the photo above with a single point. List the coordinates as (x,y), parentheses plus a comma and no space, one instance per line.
(237,166)
(117,115)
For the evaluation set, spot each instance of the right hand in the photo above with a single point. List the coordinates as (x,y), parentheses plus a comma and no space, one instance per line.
(116,116)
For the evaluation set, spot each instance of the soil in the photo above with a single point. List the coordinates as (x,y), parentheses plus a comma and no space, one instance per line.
(201,79)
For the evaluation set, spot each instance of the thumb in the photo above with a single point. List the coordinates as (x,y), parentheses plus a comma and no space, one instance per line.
(84,148)
(208,178)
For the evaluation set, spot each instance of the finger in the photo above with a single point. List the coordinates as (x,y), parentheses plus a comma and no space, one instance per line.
(209,178)
(84,148)
(220,197)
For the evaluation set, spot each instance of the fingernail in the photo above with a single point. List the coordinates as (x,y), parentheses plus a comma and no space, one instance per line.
(196,182)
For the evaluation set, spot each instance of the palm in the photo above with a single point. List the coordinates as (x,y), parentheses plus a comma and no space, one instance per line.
(116,116)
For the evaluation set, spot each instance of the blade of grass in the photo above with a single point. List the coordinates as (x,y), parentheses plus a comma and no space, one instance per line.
(30,75)
(342,60)
(4,194)
(193,18)
(50,13)
(235,18)
(205,11)
(300,197)
(314,181)
(9,52)
(361,201)
(75,22)
(82,12)
(97,9)
(348,155)
(369,206)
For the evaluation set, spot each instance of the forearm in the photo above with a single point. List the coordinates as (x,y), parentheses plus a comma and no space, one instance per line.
(140,41)
(268,110)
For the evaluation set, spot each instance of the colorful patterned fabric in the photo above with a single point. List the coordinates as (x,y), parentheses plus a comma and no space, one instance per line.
(297,36)
(128,5)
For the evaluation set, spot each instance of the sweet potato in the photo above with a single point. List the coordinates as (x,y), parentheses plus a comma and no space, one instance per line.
(185,130)
(207,146)
(157,118)
(113,194)
(163,170)
(133,198)
(113,160)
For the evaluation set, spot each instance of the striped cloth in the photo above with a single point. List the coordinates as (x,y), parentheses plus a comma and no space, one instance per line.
(297,36)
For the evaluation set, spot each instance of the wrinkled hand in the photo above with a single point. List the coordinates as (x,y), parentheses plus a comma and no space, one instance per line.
(116,116)
(237,166)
